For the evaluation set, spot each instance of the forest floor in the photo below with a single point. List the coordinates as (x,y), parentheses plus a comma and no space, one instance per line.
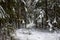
(35,34)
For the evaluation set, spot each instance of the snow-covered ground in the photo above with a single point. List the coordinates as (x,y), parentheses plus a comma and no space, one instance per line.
(32,34)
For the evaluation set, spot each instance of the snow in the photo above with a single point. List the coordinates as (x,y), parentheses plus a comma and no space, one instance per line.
(23,2)
(3,0)
(59,5)
(50,24)
(54,20)
(40,20)
(41,12)
(50,29)
(3,13)
(30,25)
(23,21)
(32,34)
(26,9)
(36,1)
(13,9)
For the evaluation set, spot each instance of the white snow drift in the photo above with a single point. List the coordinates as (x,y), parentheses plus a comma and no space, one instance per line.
(32,34)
